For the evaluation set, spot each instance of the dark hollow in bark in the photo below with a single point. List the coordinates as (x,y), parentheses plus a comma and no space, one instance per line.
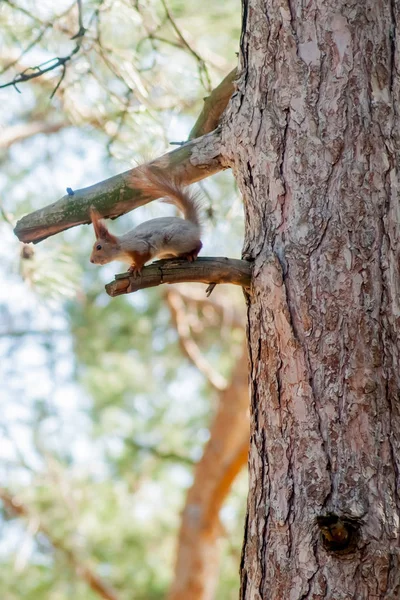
(339,534)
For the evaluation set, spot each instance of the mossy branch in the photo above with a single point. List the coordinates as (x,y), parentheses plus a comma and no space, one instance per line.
(195,160)
(113,197)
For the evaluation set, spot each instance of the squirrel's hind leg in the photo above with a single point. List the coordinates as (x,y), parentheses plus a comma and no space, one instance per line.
(192,255)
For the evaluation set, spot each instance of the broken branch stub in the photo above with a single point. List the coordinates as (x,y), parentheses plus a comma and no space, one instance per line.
(209,270)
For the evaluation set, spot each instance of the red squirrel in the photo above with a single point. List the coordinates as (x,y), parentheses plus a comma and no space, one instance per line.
(164,237)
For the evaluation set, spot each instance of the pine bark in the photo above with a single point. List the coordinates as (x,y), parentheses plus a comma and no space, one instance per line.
(312,134)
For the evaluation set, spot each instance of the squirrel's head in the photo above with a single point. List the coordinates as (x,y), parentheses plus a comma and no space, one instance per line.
(106,247)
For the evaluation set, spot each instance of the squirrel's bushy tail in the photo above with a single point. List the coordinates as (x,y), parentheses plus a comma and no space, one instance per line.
(158,185)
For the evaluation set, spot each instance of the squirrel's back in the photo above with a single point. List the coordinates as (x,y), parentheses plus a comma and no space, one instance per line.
(157,185)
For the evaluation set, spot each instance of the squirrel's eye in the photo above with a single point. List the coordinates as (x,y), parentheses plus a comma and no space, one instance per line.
(98,247)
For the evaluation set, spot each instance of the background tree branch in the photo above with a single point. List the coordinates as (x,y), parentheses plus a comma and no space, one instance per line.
(231,315)
(203,70)
(187,343)
(214,106)
(20,132)
(154,451)
(16,508)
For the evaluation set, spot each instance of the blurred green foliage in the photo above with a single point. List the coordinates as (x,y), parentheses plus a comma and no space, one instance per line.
(103,418)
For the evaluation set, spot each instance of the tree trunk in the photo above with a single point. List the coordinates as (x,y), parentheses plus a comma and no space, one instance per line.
(312,134)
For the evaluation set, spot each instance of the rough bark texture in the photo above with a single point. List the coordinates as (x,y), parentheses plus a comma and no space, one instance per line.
(312,134)
(197,563)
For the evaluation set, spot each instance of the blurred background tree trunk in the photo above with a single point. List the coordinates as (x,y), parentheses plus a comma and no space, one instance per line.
(313,138)
(225,455)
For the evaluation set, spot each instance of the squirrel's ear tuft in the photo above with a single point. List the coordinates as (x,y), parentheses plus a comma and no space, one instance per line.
(100,227)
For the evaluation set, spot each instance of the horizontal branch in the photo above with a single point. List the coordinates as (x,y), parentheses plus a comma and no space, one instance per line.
(115,196)
(211,270)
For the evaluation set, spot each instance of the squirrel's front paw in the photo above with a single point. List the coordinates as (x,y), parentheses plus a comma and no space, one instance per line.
(134,270)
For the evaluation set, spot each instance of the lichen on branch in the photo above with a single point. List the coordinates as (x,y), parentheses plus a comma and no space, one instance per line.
(115,196)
